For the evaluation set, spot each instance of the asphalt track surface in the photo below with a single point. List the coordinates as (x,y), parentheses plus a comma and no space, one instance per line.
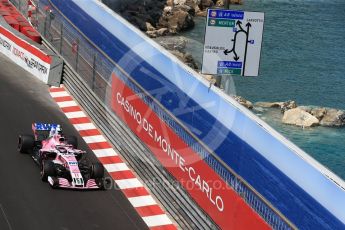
(25,201)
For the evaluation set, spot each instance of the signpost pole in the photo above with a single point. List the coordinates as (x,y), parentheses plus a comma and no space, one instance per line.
(221,77)
(226,4)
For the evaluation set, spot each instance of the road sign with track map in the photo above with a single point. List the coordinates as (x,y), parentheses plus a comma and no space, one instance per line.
(232,42)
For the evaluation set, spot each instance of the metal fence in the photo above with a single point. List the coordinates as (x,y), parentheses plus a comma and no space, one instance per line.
(95,68)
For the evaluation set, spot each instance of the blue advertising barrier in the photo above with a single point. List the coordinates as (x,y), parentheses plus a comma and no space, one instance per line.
(300,188)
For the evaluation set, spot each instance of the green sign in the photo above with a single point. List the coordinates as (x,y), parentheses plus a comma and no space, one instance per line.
(229,71)
(221,22)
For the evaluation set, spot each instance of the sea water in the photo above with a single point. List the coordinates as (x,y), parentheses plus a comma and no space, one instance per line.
(303,59)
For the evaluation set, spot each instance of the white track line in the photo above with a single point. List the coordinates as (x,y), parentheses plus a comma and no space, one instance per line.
(117,167)
(129,183)
(77,114)
(94,139)
(59,94)
(64,104)
(105,152)
(140,201)
(157,220)
(84,126)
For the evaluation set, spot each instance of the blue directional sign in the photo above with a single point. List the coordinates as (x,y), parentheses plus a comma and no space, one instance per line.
(227,14)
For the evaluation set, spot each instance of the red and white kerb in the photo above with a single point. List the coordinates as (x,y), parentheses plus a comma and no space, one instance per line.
(146,206)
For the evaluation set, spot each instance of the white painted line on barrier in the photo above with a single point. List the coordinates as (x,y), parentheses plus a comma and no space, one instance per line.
(117,167)
(129,183)
(157,220)
(94,139)
(140,201)
(59,94)
(105,152)
(84,126)
(75,114)
(64,104)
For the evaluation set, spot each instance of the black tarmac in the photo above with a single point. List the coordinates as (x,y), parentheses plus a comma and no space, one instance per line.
(25,201)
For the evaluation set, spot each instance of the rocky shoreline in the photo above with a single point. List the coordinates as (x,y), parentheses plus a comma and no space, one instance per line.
(163,17)
(306,116)
(163,20)
(177,46)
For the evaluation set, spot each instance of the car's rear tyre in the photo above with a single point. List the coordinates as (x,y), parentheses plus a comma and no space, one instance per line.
(97,171)
(47,169)
(25,143)
(72,140)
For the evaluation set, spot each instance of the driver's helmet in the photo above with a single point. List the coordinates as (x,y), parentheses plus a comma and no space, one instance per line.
(58,130)
(55,131)
(61,138)
(52,132)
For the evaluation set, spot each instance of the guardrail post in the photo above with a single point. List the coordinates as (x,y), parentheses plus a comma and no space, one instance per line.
(45,24)
(77,53)
(94,71)
(61,38)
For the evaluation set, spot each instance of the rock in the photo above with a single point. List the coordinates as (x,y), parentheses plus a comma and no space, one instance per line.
(201,13)
(243,102)
(210,78)
(149,15)
(149,27)
(170,3)
(138,12)
(236,2)
(185,58)
(306,108)
(178,19)
(206,4)
(189,60)
(167,9)
(152,34)
(299,117)
(318,112)
(157,33)
(287,105)
(162,31)
(179,2)
(193,4)
(284,106)
(333,117)
(259,109)
(221,2)
(177,46)
(269,104)
(173,43)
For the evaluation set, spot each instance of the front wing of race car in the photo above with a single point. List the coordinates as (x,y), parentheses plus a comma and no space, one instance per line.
(58,182)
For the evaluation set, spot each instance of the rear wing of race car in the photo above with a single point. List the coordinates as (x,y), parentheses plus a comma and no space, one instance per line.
(42,130)
(44,126)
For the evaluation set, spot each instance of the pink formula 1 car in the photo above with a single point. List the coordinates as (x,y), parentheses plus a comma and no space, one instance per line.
(61,163)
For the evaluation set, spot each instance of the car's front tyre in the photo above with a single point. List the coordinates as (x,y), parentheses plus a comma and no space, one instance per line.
(72,140)
(97,171)
(47,169)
